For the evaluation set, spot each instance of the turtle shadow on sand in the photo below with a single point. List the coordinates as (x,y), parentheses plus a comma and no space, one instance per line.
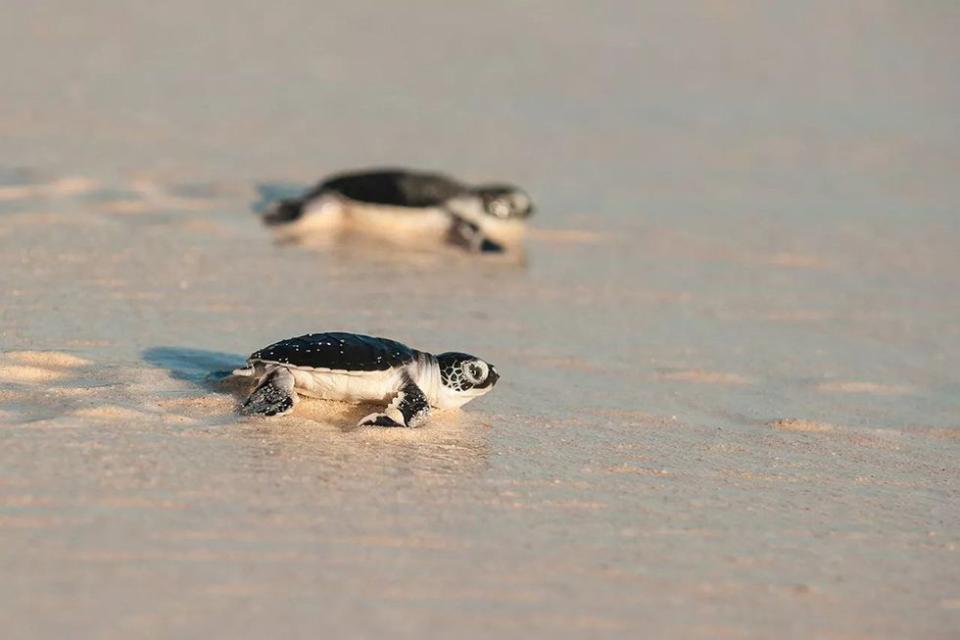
(210,369)
(213,371)
(270,192)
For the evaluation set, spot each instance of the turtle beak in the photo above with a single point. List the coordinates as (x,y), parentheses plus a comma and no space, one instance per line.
(492,377)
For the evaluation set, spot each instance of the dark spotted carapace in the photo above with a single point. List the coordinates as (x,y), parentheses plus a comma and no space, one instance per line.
(338,351)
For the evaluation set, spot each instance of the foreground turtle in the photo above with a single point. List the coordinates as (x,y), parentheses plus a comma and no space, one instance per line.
(355,368)
(401,205)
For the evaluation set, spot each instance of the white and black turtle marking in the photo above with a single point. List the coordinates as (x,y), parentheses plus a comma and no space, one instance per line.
(404,205)
(355,368)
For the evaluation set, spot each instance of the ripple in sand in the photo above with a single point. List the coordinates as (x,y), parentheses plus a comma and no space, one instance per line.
(27,522)
(789,260)
(30,367)
(42,218)
(951,433)
(26,374)
(634,414)
(48,358)
(402,542)
(808,426)
(144,195)
(568,363)
(68,186)
(138,502)
(109,412)
(567,236)
(706,377)
(873,388)
(207,404)
(641,471)
(798,315)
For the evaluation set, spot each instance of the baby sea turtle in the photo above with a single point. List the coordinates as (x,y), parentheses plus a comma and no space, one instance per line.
(355,368)
(401,205)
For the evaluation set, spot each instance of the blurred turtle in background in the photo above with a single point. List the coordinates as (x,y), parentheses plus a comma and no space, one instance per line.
(404,207)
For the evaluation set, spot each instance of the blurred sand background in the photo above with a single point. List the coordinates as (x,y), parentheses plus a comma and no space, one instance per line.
(730,405)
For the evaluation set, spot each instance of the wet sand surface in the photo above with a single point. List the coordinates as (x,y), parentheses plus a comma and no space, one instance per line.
(730,404)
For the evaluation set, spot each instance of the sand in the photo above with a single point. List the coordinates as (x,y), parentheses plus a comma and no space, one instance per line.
(729,405)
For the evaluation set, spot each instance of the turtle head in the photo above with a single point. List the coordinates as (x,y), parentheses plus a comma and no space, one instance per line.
(465,377)
(505,202)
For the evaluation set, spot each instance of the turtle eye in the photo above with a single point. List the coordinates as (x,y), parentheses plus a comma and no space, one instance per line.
(521,204)
(475,372)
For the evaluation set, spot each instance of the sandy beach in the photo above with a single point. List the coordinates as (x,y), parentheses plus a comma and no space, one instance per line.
(730,400)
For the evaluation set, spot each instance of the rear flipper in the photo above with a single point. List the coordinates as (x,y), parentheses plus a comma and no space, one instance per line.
(408,409)
(283,212)
(274,396)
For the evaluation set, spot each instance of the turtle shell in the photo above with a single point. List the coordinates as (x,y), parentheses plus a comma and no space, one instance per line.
(394,187)
(337,351)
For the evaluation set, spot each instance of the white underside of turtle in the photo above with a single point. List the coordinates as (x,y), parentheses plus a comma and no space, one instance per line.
(408,226)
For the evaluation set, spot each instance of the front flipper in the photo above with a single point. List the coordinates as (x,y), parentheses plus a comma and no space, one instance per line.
(468,235)
(273,397)
(408,409)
